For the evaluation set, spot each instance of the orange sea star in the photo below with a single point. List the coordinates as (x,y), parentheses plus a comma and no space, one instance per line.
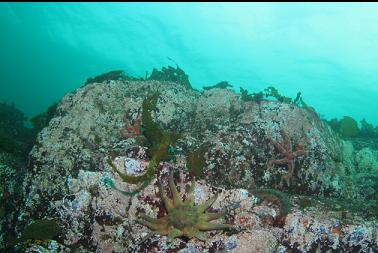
(286,150)
(131,130)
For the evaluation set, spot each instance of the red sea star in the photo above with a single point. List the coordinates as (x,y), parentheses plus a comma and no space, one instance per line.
(131,130)
(286,150)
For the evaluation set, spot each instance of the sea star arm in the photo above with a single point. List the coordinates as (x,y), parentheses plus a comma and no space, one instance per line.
(286,141)
(278,146)
(299,152)
(175,195)
(152,220)
(203,207)
(175,233)
(191,196)
(200,235)
(153,224)
(167,202)
(212,226)
(280,161)
(214,216)
(290,170)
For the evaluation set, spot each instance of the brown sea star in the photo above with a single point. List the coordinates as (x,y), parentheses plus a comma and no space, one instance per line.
(131,130)
(286,150)
(183,217)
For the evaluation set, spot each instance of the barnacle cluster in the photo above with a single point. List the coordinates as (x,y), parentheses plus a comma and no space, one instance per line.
(184,218)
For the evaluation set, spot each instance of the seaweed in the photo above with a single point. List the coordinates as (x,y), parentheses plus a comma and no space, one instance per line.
(220,85)
(150,129)
(196,162)
(304,202)
(334,124)
(116,75)
(151,169)
(41,230)
(273,92)
(171,74)
(348,127)
(41,120)
(363,207)
(277,197)
(368,130)
(109,182)
(157,141)
(15,137)
(256,97)
(298,101)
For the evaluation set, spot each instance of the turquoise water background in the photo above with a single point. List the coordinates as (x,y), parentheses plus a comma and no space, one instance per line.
(328,51)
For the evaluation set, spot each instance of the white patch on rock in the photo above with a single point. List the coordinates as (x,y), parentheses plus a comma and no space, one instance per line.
(134,167)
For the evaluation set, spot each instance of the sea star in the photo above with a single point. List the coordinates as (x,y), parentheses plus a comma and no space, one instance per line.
(286,150)
(183,217)
(131,130)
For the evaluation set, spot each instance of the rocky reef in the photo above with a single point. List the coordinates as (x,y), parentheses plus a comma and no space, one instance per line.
(285,181)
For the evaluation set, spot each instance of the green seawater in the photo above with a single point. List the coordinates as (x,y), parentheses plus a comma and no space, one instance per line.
(320,57)
(327,51)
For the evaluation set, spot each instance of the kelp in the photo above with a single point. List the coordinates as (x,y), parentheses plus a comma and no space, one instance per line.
(41,230)
(116,75)
(196,162)
(171,74)
(298,101)
(347,127)
(256,97)
(273,92)
(368,130)
(109,182)
(157,141)
(15,137)
(151,169)
(277,197)
(41,120)
(220,85)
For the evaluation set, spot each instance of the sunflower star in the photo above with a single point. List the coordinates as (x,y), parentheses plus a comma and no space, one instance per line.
(184,218)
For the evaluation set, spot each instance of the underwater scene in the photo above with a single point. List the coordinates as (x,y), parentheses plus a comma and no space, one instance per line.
(189,127)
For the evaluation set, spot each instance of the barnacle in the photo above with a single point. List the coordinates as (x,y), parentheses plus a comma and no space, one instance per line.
(184,218)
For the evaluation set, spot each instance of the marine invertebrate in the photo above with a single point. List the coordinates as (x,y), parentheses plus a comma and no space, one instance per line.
(183,217)
(157,140)
(131,130)
(289,155)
